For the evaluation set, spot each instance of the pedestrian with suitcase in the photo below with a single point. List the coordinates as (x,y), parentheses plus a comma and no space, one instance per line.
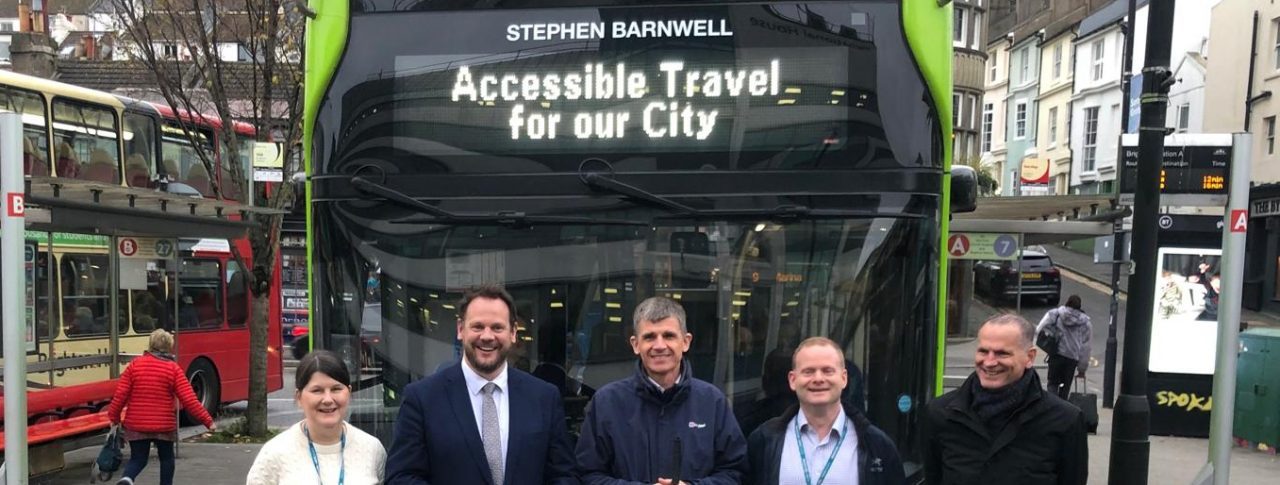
(1070,358)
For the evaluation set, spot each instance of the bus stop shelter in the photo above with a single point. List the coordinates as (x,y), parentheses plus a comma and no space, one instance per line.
(122,215)
(1032,220)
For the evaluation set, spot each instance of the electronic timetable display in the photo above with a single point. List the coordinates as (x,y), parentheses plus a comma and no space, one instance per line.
(1192,164)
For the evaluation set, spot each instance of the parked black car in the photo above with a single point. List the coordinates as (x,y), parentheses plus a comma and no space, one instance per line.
(999,279)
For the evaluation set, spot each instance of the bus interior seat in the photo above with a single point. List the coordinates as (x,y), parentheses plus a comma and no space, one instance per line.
(33,164)
(102,167)
(68,165)
(171,169)
(206,308)
(136,171)
(198,178)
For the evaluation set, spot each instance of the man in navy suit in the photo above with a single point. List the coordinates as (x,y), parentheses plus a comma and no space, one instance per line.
(481,421)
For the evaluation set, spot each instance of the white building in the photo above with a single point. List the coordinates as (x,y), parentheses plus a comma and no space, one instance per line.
(995,106)
(1097,99)
(1186,96)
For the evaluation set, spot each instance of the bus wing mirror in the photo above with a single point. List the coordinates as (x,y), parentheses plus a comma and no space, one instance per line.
(964,189)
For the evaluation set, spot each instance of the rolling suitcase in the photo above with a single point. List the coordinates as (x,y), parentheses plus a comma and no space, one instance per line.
(1087,402)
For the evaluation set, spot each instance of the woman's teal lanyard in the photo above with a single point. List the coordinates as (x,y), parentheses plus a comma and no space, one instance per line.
(804,462)
(342,470)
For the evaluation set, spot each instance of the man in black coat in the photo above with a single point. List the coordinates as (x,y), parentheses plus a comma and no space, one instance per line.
(1000,426)
(823,435)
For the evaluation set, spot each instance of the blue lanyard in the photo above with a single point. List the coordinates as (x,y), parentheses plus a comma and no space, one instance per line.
(342,449)
(804,462)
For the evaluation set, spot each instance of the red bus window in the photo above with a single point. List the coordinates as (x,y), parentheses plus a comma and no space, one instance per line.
(200,291)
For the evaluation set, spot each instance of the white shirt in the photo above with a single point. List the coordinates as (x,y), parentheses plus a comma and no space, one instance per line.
(659,386)
(286,460)
(844,469)
(475,384)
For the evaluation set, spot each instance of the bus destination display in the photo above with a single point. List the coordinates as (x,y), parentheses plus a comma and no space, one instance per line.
(668,108)
(1189,166)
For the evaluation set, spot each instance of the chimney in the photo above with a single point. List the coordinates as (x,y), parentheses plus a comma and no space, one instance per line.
(33,54)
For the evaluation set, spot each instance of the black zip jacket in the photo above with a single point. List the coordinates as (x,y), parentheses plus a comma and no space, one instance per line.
(1044,441)
(878,461)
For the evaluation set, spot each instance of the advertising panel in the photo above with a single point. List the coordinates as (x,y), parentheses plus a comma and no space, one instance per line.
(1184,327)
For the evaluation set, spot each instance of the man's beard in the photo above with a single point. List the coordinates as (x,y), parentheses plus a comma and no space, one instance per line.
(469,352)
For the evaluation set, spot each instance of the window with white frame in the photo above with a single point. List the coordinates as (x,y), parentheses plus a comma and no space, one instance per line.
(973,111)
(995,65)
(975,40)
(1053,125)
(1184,117)
(1090,138)
(1020,120)
(957,33)
(955,109)
(1099,48)
(1275,35)
(1271,135)
(1057,61)
(988,122)
(1024,65)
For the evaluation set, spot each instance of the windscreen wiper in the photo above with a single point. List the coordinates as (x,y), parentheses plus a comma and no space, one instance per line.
(442,216)
(599,180)
(605,181)
(788,213)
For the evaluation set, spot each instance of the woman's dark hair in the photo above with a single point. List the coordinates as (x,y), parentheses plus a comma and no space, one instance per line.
(322,361)
(1073,301)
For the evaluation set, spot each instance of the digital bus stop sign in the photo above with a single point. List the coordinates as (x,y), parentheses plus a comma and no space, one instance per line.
(1194,170)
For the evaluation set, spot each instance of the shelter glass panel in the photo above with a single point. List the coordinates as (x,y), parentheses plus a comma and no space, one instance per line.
(85,282)
(154,308)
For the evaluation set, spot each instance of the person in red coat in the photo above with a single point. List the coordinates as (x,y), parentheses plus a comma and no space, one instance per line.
(148,388)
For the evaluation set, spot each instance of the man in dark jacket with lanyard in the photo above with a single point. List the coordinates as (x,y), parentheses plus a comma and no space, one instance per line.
(1000,426)
(823,440)
(661,426)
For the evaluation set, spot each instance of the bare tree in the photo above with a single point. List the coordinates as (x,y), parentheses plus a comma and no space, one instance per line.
(240,60)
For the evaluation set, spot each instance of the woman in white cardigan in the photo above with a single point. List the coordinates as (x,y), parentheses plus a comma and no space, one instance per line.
(323,448)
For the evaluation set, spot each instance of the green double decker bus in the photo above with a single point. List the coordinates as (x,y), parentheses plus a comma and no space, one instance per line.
(780,169)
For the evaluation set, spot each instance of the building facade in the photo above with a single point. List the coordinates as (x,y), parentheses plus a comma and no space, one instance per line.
(1024,90)
(1239,88)
(968,65)
(994,107)
(1096,101)
(1054,100)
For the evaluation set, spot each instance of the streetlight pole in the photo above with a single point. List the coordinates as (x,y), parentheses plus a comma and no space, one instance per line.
(1117,230)
(1131,428)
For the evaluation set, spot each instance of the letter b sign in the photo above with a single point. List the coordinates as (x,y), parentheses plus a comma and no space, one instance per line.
(15,203)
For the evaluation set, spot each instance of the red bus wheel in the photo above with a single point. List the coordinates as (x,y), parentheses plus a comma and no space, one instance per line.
(207,386)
